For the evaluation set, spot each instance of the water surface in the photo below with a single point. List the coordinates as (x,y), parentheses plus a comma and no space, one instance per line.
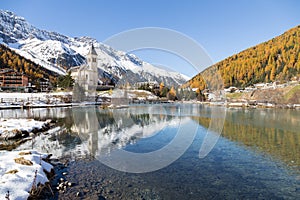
(256,157)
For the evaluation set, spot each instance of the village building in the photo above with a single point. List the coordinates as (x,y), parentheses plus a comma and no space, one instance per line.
(86,75)
(44,85)
(151,84)
(10,79)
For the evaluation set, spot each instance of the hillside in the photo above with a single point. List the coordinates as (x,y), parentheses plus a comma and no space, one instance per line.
(275,60)
(12,60)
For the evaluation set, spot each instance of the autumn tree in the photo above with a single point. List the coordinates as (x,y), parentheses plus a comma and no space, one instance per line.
(171,95)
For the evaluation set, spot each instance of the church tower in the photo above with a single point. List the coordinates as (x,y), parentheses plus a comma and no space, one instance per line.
(86,78)
(92,72)
(92,58)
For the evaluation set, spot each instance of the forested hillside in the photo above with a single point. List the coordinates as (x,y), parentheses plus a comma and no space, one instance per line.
(275,60)
(12,60)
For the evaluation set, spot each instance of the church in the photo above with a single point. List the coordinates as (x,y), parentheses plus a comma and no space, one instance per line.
(86,77)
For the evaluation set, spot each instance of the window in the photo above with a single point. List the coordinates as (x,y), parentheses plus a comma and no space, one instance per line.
(86,77)
(94,60)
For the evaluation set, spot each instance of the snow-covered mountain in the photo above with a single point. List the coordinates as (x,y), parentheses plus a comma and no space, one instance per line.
(58,52)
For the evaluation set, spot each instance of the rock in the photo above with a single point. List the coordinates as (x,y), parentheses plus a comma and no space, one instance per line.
(62,180)
(64,173)
(101,198)
(35,130)
(61,185)
(9,135)
(24,133)
(31,134)
(70,184)
(78,194)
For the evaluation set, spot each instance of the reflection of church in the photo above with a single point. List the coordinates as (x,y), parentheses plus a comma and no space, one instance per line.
(86,76)
(102,132)
(87,126)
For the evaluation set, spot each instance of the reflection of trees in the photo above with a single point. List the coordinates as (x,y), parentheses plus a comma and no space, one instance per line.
(282,141)
(105,118)
(66,139)
(141,119)
(67,121)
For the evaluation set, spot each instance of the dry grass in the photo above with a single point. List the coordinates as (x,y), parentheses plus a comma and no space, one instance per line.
(293,94)
(25,153)
(14,171)
(23,161)
(235,95)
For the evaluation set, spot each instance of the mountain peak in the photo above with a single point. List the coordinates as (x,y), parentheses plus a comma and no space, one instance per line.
(58,52)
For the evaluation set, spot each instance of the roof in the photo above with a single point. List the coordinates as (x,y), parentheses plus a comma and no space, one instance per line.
(11,71)
(74,69)
(92,50)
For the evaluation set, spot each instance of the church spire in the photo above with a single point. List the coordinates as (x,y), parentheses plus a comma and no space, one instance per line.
(92,50)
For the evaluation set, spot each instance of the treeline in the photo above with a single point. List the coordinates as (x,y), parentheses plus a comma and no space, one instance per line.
(275,60)
(12,60)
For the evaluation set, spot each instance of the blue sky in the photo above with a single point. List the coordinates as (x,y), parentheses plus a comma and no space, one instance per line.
(221,27)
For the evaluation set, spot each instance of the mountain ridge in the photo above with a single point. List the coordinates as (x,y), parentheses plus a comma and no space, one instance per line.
(58,52)
(277,59)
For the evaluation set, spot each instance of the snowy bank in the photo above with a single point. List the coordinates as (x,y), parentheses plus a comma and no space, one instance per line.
(20,128)
(20,171)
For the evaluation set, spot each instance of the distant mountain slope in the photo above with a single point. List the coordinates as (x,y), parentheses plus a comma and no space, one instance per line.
(57,53)
(275,60)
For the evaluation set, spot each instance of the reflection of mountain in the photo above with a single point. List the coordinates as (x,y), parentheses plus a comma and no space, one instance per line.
(102,131)
(272,131)
(88,131)
(91,131)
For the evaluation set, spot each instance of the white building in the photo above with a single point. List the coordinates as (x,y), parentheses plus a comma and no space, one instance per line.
(86,76)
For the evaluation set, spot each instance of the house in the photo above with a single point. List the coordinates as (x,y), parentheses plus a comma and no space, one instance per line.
(86,75)
(151,84)
(10,79)
(45,85)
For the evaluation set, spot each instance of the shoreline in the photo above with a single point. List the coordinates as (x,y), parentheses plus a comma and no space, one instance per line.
(227,104)
(64,99)
(253,105)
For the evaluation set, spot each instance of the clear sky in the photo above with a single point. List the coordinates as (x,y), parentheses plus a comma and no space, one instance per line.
(222,27)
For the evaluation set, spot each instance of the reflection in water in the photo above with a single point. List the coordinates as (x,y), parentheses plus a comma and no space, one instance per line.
(275,132)
(96,131)
(105,130)
(229,171)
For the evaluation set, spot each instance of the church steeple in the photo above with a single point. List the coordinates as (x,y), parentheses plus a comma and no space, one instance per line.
(92,58)
(93,51)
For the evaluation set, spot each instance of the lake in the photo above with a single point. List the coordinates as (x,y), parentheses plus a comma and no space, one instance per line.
(152,151)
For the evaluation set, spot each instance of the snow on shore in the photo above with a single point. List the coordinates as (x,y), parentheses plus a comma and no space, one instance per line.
(10,127)
(20,124)
(19,170)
